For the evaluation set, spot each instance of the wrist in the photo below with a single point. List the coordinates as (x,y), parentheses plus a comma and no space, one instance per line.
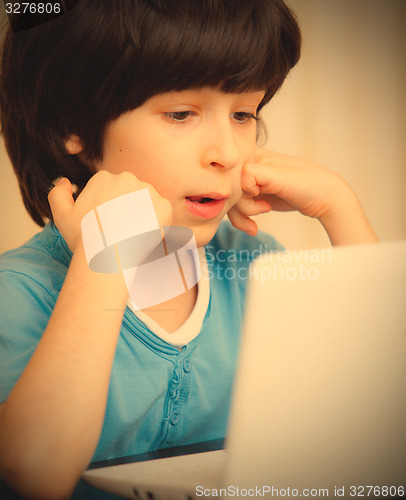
(108,288)
(346,222)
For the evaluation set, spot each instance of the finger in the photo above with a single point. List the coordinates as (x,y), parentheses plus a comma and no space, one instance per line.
(60,198)
(248,182)
(251,206)
(262,154)
(241,222)
(270,179)
(278,204)
(274,158)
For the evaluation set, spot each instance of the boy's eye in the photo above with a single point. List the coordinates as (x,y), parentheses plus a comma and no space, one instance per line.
(243,116)
(179,116)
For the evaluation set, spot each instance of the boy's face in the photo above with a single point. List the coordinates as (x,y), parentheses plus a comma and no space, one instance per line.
(189,145)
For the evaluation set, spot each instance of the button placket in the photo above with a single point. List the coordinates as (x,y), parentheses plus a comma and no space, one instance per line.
(183,366)
(175,417)
(178,390)
(174,390)
(177,393)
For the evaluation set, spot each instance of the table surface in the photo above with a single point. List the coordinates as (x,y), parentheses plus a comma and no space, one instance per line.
(86,492)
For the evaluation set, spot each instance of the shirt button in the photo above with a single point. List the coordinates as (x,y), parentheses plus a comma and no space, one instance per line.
(187,365)
(175,417)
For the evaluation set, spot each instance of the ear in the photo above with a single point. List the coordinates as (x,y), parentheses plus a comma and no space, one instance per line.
(74,144)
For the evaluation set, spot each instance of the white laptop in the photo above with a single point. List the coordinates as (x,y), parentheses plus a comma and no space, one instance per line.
(319,405)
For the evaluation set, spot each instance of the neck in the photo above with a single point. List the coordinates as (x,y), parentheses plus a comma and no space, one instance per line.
(171,314)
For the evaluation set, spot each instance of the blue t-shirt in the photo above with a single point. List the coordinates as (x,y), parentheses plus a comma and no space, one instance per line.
(159,396)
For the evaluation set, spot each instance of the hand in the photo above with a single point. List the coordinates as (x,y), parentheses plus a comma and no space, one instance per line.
(102,187)
(276,181)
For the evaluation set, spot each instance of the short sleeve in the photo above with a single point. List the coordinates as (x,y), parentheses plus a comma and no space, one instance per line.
(25,308)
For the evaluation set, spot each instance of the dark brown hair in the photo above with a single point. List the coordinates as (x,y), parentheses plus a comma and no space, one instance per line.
(77,73)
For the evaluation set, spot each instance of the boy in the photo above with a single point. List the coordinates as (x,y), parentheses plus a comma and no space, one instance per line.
(115,97)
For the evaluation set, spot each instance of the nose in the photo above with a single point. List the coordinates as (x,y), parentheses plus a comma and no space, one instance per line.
(219,145)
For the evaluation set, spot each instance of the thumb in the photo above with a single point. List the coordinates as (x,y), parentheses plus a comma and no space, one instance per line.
(60,198)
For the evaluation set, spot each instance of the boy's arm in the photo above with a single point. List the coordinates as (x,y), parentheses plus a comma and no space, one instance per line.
(348,225)
(51,422)
(274,181)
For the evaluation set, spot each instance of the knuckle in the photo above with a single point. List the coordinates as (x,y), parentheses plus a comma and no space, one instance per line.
(126,176)
(99,177)
(101,174)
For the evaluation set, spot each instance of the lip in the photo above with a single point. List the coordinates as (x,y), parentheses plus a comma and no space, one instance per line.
(207,210)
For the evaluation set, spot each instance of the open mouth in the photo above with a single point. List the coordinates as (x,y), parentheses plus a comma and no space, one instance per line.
(206,206)
(199,199)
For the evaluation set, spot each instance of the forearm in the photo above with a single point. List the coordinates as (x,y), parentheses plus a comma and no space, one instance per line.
(51,422)
(280,182)
(347,222)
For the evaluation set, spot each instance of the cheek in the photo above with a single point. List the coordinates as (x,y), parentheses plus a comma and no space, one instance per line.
(251,149)
(123,154)
(236,186)
(251,155)
(247,144)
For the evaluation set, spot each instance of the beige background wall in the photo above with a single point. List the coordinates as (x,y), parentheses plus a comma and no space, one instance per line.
(343,106)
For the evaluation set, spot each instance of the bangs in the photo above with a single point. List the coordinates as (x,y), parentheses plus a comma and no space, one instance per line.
(245,45)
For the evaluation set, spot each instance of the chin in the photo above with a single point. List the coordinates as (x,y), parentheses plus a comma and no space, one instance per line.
(204,233)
